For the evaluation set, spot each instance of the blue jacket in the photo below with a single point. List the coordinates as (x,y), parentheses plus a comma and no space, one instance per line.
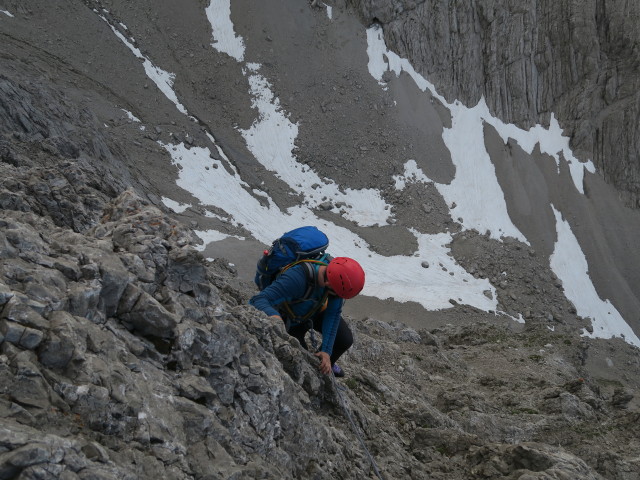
(290,287)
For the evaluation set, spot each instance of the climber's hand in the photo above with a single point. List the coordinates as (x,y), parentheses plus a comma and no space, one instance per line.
(325,362)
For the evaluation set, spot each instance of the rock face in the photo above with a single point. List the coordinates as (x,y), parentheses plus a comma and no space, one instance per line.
(120,341)
(574,59)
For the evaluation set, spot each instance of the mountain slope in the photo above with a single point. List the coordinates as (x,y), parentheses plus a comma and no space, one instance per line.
(126,354)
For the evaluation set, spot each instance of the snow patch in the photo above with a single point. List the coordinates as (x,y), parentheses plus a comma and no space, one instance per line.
(208,236)
(131,116)
(224,38)
(163,79)
(329,11)
(550,140)
(475,191)
(175,206)
(570,265)
(8,14)
(271,139)
(376,51)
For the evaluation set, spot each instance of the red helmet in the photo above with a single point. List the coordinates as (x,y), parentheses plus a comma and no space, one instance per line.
(345,277)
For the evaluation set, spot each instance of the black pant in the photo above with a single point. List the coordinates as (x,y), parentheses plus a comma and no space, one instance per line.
(344,337)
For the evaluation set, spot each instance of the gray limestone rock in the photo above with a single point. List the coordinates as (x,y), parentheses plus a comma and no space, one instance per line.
(65,340)
(114,279)
(6,249)
(84,299)
(149,317)
(5,294)
(11,331)
(21,313)
(30,338)
(69,269)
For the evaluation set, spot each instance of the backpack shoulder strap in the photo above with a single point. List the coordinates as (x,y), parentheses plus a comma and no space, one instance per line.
(311,279)
(310,276)
(309,273)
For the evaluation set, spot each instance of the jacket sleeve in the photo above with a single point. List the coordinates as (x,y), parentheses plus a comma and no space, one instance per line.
(330,322)
(290,285)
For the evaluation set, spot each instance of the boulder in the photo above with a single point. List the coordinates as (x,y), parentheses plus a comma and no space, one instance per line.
(148,317)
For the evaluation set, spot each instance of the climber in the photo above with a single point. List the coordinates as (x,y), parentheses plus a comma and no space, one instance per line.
(310,294)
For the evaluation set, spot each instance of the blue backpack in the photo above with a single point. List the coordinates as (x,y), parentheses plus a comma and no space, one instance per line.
(304,244)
